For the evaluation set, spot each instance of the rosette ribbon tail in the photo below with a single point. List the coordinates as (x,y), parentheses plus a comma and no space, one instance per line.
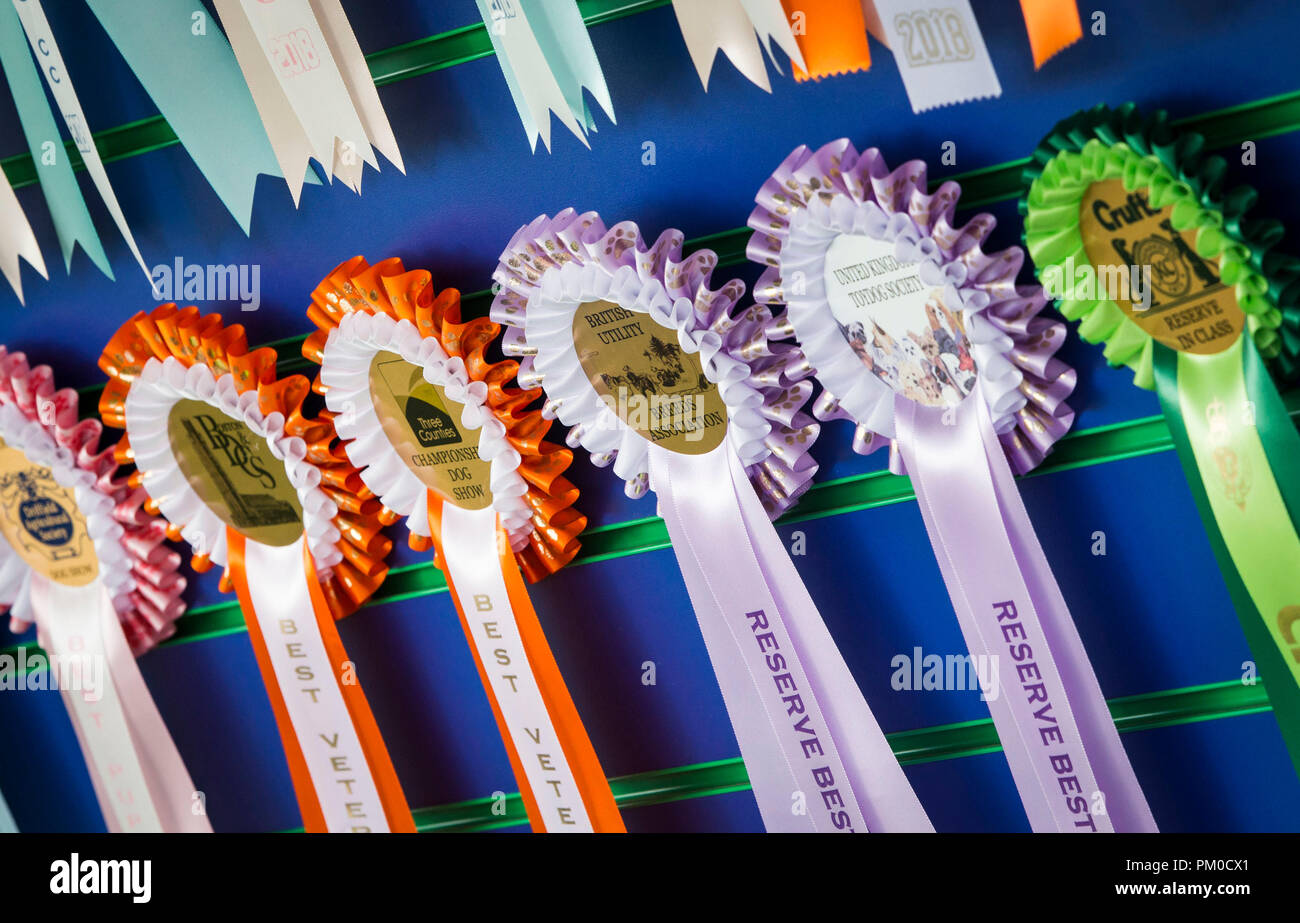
(563,787)
(1059,738)
(341,771)
(140,781)
(802,724)
(1241,454)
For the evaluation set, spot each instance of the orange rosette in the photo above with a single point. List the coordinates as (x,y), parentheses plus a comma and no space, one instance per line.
(446,440)
(232,460)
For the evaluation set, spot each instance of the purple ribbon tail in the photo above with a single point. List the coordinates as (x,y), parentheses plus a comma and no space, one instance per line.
(817,759)
(1060,741)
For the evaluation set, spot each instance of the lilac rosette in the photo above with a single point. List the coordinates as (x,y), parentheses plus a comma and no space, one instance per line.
(764,382)
(815,197)
(717,497)
(926,342)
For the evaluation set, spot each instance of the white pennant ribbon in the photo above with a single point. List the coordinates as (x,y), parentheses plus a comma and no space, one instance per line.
(345,789)
(469,546)
(39,36)
(140,781)
(710,26)
(311,86)
(940,51)
(16,239)
(547,58)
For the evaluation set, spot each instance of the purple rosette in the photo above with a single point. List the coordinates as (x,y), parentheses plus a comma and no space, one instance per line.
(767,384)
(605,323)
(927,342)
(827,191)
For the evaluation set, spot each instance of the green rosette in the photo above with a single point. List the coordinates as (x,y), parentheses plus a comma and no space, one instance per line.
(1221,308)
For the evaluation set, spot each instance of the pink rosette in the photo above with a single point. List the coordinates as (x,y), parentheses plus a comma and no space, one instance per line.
(814,196)
(139,571)
(763,381)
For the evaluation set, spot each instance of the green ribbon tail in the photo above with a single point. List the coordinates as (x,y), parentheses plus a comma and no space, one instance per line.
(1276,430)
(1223,417)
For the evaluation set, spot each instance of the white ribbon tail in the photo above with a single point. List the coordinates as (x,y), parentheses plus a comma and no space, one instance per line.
(345,789)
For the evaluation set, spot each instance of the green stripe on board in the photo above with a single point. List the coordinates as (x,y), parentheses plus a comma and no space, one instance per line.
(946,742)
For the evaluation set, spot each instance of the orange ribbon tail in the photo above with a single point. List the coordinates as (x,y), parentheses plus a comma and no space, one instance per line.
(313,821)
(390,791)
(832,37)
(372,744)
(593,787)
(1052,25)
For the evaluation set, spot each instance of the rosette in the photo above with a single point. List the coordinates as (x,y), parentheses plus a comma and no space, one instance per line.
(81,560)
(442,437)
(686,393)
(1129,226)
(926,342)
(227,453)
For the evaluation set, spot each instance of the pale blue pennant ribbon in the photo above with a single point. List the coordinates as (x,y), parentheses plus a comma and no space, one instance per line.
(548,60)
(186,65)
(68,209)
(567,45)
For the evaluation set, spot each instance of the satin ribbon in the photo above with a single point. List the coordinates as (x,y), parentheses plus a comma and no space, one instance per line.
(710,26)
(195,82)
(16,240)
(311,86)
(139,778)
(68,212)
(1053,25)
(548,60)
(832,37)
(563,787)
(1241,454)
(940,51)
(1056,731)
(340,768)
(816,757)
(46,50)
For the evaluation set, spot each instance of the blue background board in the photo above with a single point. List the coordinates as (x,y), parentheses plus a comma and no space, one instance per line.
(1153,612)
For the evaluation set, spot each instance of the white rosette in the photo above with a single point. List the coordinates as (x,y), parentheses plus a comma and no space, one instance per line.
(554,265)
(345,377)
(571,397)
(164,383)
(864,396)
(30,437)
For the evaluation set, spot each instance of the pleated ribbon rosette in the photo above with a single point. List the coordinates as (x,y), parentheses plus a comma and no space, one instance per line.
(82,560)
(927,343)
(443,438)
(687,393)
(1131,228)
(227,454)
